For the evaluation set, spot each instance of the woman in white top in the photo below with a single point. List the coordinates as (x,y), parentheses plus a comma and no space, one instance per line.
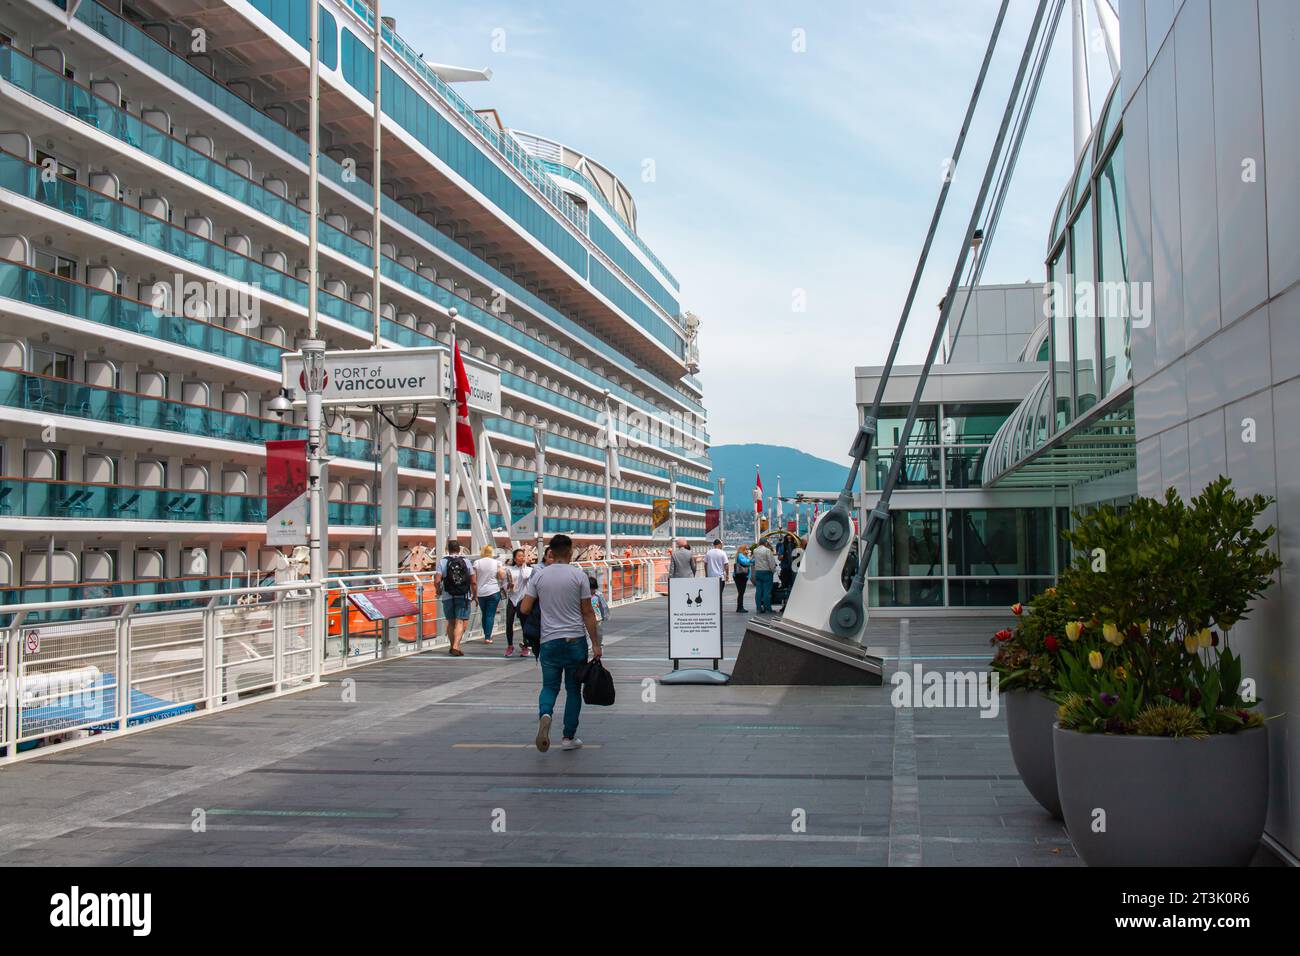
(517,573)
(488,573)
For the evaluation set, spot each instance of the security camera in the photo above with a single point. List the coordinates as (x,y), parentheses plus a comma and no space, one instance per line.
(279,405)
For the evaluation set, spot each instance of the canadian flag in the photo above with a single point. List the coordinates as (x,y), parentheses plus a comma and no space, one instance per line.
(464,433)
(758,492)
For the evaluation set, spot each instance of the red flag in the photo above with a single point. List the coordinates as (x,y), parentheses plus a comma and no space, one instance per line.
(758,493)
(464,434)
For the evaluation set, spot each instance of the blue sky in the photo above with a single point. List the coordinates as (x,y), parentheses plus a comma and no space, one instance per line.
(777,170)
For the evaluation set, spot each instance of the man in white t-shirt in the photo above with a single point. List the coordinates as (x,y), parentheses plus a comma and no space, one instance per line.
(568,622)
(715,562)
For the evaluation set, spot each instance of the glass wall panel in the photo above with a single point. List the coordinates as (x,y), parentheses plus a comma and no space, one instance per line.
(1000,541)
(909,546)
(920,468)
(889,428)
(973,423)
(1112,270)
(926,592)
(1085,318)
(1060,337)
(994,592)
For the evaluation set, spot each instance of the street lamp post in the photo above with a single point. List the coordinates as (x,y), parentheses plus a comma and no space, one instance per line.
(672,501)
(539,483)
(313,373)
(722,509)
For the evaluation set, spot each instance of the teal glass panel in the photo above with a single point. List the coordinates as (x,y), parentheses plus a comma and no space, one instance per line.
(1085,309)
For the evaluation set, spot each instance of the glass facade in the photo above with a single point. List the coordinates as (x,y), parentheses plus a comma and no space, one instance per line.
(965,557)
(946,449)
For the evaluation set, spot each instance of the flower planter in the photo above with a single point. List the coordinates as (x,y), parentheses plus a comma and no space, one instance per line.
(1031,716)
(1168,801)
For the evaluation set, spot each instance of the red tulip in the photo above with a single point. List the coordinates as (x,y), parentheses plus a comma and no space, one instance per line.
(1003,635)
(1017,609)
(1051,642)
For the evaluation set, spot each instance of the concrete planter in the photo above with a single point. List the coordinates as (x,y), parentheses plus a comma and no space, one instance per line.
(1167,801)
(1031,716)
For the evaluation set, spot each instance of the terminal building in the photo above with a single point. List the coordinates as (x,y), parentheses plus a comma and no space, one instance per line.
(149,148)
(1185,193)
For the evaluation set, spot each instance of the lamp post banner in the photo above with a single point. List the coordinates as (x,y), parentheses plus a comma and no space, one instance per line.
(286,492)
(712,523)
(660,512)
(523,500)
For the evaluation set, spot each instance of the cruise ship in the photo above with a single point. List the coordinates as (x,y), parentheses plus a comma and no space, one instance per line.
(154,148)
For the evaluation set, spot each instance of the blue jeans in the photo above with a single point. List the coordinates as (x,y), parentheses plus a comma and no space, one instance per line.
(763,591)
(561,658)
(487,606)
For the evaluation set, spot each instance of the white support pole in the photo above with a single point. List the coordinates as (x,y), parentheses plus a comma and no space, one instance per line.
(503,493)
(609,530)
(539,485)
(439,494)
(1110,34)
(672,502)
(453,493)
(1079,63)
(315,437)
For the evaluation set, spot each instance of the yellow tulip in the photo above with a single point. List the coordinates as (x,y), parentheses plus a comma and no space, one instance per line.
(1112,635)
(1191,642)
(1120,673)
(1073,629)
(1203,637)
(1094,660)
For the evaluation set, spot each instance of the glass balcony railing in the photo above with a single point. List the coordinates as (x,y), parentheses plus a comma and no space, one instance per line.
(34,287)
(57,396)
(65,95)
(189,78)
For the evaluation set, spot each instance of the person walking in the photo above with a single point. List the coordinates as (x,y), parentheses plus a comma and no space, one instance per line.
(454,580)
(488,573)
(568,623)
(764,570)
(683,561)
(517,573)
(598,606)
(741,576)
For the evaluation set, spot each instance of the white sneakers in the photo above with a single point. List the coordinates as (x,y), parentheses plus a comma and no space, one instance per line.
(544,736)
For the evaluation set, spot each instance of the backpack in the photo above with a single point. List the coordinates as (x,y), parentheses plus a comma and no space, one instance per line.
(456,580)
(597,683)
(531,624)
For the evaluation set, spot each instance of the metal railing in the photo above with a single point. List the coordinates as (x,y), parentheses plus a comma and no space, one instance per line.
(92,669)
(116,667)
(351,638)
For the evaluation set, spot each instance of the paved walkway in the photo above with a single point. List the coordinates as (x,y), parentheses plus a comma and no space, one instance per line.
(433,763)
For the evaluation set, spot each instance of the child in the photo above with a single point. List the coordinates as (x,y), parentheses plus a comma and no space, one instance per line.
(599,606)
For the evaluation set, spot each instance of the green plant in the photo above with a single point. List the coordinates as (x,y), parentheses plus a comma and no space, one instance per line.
(1157,588)
(1026,658)
(1168,719)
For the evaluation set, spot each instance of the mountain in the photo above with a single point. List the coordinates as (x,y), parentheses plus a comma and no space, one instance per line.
(799,471)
